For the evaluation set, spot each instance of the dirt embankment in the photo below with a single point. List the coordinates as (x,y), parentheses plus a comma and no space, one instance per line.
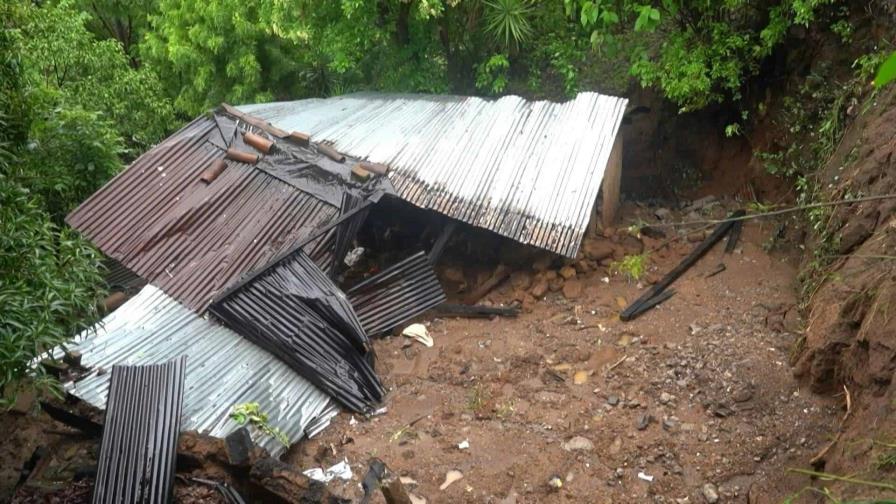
(850,334)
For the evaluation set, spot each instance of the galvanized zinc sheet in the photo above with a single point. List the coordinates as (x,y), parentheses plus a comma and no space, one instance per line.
(530,171)
(223,368)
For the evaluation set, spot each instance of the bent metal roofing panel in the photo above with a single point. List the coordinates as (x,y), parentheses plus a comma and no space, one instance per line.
(223,369)
(191,238)
(528,170)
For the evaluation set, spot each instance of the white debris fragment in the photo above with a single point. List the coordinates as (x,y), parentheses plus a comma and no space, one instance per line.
(341,470)
(645,477)
(418,332)
(463,445)
(452,476)
(353,256)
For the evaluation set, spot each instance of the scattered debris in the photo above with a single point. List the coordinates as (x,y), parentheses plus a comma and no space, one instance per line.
(418,332)
(341,470)
(642,304)
(715,271)
(463,445)
(450,477)
(580,377)
(555,482)
(644,476)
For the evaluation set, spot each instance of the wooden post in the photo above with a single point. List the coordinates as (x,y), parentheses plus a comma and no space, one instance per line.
(611,183)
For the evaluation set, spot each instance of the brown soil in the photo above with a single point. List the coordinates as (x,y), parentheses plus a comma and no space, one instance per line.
(709,368)
(851,333)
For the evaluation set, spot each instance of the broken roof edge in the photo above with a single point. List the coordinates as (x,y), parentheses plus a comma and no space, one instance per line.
(533,169)
(223,369)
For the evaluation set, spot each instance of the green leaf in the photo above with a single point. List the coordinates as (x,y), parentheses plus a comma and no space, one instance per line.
(887,71)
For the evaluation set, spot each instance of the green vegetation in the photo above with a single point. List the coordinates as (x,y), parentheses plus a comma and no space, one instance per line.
(633,267)
(251,414)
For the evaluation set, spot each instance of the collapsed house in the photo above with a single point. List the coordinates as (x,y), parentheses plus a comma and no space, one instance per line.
(239,225)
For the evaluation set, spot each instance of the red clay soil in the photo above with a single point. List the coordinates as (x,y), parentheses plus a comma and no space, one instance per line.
(693,401)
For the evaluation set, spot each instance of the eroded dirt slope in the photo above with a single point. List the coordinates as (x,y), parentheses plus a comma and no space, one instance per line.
(697,395)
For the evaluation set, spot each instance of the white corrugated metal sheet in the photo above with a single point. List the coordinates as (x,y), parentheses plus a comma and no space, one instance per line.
(530,171)
(223,368)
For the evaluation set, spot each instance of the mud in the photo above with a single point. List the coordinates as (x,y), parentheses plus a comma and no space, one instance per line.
(696,392)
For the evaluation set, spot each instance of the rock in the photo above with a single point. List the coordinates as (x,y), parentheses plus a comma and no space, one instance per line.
(612,400)
(855,232)
(701,203)
(572,289)
(521,280)
(598,249)
(555,284)
(710,493)
(666,398)
(580,377)
(696,236)
(567,272)
(540,288)
(792,322)
(643,421)
(616,446)
(578,443)
(631,245)
(662,213)
(550,275)
(742,394)
(287,482)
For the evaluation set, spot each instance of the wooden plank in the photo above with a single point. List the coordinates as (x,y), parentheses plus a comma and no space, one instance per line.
(611,183)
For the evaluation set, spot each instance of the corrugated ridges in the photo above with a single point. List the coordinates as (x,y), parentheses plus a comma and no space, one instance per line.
(139,445)
(190,238)
(530,171)
(223,368)
(296,312)
(398,293)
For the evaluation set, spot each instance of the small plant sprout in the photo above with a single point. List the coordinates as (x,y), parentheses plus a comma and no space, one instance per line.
(250,413)
(632,266)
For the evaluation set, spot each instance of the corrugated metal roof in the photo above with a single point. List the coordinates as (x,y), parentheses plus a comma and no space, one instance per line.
(142,423)
(189,237)
(530,171)
(223,368)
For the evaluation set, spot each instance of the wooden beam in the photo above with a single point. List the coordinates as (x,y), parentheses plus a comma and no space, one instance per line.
(611,183)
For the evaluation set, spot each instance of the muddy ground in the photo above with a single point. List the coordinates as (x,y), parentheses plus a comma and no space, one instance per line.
(693,401)
(695,398)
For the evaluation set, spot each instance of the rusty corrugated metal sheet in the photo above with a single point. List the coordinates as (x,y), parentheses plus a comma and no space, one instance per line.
(189,237)
(530,171)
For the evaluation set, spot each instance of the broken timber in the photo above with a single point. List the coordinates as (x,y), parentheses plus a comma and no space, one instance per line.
(645,302)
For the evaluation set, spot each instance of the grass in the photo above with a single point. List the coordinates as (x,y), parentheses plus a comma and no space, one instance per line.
(633,267)
(477,398)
